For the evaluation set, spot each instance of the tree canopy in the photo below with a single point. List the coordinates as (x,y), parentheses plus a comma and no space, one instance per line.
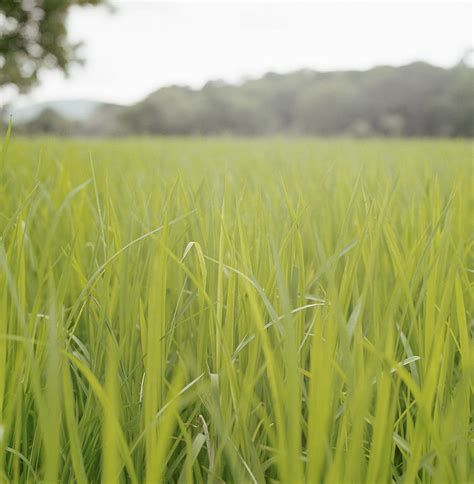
(33,36)
(413,100)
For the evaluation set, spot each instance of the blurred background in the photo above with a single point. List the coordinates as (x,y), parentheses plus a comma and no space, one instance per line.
(95,68)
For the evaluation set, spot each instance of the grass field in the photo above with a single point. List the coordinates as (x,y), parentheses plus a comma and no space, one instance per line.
(236,311)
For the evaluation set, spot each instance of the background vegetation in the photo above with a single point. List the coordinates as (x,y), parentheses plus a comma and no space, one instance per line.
(33,37)
(238,311)
(414,100)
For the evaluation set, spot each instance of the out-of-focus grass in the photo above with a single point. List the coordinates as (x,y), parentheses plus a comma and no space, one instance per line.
(239,311)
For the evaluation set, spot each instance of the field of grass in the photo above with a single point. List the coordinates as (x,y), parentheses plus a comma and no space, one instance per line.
(236,311)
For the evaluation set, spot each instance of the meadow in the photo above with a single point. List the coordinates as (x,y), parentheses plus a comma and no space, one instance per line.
(225,310)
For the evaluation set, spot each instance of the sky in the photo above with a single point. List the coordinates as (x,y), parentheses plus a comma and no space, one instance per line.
(145,45)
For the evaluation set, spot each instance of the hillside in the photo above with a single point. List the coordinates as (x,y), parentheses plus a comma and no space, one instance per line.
(413,100)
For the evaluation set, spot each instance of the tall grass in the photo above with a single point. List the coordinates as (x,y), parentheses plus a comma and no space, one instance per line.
(236,311)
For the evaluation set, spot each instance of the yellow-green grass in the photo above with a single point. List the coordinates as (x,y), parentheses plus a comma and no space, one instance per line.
(211,310)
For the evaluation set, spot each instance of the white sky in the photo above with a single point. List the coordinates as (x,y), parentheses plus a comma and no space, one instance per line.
(146,44)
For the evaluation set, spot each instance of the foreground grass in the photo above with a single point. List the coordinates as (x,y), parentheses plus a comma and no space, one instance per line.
(238,311)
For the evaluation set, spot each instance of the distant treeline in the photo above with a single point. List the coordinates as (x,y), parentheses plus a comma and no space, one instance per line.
(414,100)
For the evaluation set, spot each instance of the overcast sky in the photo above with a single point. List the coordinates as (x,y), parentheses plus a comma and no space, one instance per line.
(145,45)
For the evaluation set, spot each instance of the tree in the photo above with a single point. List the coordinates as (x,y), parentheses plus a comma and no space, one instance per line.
(33,36)
(49,122)
(392,125)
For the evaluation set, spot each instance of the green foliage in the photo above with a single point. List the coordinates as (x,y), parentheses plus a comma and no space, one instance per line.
(239,311)
(33,36)
(413,100)
(50,122)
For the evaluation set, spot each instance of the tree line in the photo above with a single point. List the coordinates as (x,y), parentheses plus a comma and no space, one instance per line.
(413,100)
